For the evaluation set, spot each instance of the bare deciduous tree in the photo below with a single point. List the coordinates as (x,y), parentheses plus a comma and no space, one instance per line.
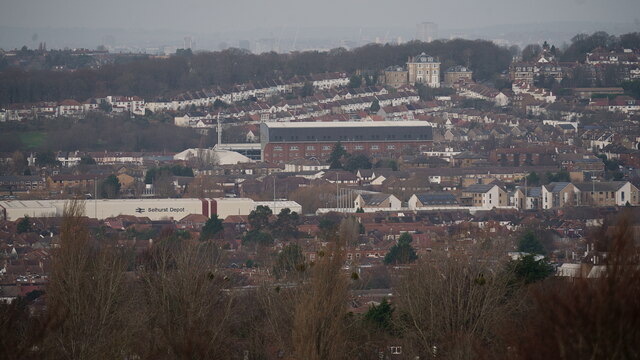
(587,318)
(350,230)
(187,305)
(313,197)
(87,296)
(451,305)
(319,320)
(163,185)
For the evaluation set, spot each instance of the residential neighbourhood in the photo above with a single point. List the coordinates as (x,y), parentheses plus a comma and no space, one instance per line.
(368,175)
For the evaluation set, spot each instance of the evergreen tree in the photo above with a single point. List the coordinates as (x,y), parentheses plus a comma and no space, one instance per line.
(529,270)
(24,225)
(402,252)
(380,315)
(259,218)
(110,187)
(530,244)
(336,156)
(355,81)
(375,106)
(212,227)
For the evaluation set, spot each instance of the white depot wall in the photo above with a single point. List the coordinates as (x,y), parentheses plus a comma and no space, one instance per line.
(154,209)
(232,206)
(12,210)
(278,205)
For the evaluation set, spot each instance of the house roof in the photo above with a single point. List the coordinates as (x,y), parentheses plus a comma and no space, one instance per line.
(458,68)
(437,198)
(601,186)
(479,188)
(423,58)
(195,218)
(533,191)
(69,102)
(374,199)
(556,186)
(469,155)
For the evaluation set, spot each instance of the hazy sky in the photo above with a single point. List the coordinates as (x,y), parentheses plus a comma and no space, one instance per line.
(237,15)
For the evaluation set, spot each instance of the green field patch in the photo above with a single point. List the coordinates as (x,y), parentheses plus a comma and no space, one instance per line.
(33,139)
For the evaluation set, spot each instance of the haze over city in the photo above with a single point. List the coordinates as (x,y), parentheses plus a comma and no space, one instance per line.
(213,25)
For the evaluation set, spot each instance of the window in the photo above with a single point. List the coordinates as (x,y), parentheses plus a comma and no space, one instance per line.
(391,147)
(293,148)
(375,147)
(326,147)
(311,147)
(358,147)
(396,350)
(277,148)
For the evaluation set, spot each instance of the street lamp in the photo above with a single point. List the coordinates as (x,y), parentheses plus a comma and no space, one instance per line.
(593,189)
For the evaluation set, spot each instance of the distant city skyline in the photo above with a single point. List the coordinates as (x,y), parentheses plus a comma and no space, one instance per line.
(206,16)
(211,25)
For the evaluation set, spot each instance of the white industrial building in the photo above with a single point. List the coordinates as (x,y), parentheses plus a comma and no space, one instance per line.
(154,209)
(213,156)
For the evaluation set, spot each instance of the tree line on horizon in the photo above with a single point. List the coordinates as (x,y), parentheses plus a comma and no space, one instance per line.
(152,78)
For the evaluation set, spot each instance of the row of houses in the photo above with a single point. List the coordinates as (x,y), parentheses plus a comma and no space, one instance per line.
(69,107)
(563,194)
(301,109)
(241,92)
(137,106)
(555,195)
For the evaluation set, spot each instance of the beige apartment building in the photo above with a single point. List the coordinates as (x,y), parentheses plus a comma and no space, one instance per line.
(456,74)
(607,193)
(396,76)
(424,69)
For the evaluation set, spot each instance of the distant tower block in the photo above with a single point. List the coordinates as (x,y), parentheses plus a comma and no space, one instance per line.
(188,43)
(426,31)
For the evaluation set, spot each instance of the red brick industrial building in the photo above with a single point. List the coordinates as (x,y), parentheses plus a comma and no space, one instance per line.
(282,142)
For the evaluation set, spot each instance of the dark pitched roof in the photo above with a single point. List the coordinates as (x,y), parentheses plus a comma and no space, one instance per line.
(437,198)
(601,186)
(479,188)
(556,186)
(374,199)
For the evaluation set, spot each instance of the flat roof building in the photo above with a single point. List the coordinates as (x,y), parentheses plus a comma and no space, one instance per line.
(154,209)
(282,142)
